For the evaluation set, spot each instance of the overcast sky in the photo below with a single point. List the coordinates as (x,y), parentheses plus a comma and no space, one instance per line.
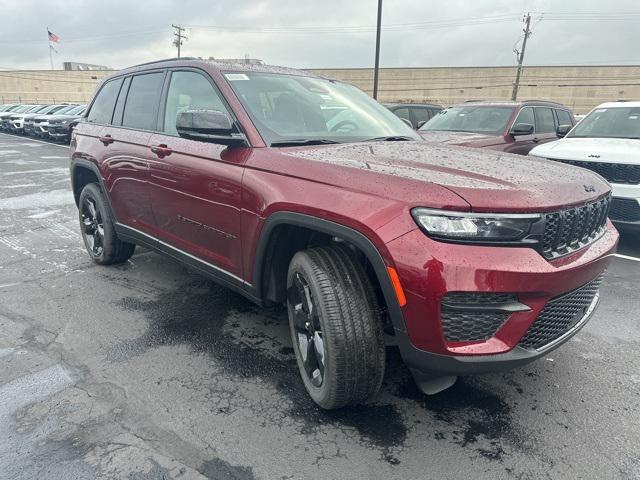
(320,33)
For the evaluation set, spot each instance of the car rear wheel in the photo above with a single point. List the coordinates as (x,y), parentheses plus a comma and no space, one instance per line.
(98,232)
(335,327)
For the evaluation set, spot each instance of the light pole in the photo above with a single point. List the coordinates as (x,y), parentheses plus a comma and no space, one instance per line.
(377,64)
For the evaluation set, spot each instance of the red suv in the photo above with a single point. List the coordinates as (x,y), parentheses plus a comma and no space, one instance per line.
(513,127)
(294,189)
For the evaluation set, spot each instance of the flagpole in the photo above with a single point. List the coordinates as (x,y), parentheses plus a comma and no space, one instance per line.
(50,52)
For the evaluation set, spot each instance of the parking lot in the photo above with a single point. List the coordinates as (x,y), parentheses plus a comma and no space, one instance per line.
(149,371)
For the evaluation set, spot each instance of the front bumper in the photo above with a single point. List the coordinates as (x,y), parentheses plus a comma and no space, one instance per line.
(429,270)
(58,131)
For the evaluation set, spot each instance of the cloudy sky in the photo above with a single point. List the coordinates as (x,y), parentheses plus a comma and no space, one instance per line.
(321,33)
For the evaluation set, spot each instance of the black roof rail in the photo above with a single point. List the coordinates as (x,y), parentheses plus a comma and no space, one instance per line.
(542,101)
(174,59)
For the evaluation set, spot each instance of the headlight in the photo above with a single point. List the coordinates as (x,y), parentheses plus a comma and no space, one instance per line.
(475,227)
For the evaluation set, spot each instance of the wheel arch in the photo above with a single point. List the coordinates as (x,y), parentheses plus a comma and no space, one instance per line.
(84,172)
(266,253)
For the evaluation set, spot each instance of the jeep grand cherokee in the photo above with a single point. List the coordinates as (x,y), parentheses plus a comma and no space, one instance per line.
(292,188)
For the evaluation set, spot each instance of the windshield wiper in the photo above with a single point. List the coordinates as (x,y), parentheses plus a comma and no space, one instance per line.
(391,138)
(303,141)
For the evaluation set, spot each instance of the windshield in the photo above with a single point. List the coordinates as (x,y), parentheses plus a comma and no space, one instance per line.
(35,109)
(476,119)
(297,109)
(76,110)
(618,122)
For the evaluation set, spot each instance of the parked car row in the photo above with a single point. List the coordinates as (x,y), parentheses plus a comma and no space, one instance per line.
(44,121)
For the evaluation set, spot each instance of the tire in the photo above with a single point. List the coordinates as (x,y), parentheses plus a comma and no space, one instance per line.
(98,232)
(333,310)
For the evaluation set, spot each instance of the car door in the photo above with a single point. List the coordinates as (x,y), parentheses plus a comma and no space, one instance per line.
(100,138)
(545,125)
(196,186)
(522,144)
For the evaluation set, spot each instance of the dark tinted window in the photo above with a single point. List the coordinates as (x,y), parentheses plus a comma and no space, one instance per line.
(141,108)
(402,113)
(102,108)
(189,91)
(117,114)
(526,116)
(564,118)
(421,115)
(545,123)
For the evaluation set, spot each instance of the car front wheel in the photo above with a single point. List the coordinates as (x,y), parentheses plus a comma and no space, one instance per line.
(335,326)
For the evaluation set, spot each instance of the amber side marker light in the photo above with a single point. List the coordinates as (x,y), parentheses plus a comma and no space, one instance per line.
(395,281)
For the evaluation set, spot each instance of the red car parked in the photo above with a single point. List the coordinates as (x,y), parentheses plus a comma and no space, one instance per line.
(291,188)
(514,127)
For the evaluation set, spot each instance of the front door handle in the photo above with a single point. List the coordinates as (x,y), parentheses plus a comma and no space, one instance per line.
(161,150)
(106,140)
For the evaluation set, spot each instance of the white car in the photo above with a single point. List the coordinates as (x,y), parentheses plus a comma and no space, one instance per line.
(607,141)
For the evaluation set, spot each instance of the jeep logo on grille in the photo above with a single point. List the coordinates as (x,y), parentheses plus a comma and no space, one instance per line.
(589,188)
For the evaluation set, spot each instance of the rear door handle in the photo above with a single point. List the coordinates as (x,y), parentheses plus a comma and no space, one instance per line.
(161,150)
(106,140)
(535,140)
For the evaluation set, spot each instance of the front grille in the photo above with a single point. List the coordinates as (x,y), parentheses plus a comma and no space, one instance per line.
(461,326)
(613,172)
(625,210)
(474,316)
(560,315)
(569,230)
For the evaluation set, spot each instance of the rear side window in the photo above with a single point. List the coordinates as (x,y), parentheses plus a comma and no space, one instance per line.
(422,114)
(141,107)
(564,118)
(526,116)
(102,108)
(545,123)
(189,91)
(402,113)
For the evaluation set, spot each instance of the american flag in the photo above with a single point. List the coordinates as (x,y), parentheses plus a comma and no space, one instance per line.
(53,37)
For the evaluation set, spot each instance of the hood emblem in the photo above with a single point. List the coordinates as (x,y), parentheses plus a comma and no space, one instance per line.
(594,156)
(589,188)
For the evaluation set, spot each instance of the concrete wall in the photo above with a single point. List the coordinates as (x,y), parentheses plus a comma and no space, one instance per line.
(580,87)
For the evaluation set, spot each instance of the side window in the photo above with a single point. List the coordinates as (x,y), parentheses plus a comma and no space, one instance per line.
(421,115)
(117,114)
(564,118)
(141,107)
(102,108)
(189,91)
(402,113)
(526,116)
(545,123)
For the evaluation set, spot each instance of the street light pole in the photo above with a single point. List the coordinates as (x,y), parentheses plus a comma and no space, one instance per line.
(377,65)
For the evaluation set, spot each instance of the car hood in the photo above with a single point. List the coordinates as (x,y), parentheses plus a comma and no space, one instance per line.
(64,117)
(459,138)
(487,180)
(609,150)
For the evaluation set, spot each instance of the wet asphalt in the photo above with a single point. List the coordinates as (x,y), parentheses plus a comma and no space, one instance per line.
(149,371)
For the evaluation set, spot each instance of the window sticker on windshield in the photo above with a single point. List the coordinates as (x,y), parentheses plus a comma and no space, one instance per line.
(232,77)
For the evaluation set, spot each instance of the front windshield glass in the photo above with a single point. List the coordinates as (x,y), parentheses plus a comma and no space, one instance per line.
(76,110)
(36,109)
(472,118)
(618,122)
(289,108)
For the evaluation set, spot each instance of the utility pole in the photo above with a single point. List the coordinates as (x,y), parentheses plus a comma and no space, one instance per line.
(527,34)
(377,63)
(179,37)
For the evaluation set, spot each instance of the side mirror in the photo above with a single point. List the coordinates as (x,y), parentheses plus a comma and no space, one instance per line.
(522,129)
(421,124)
(209,126)
(562,130)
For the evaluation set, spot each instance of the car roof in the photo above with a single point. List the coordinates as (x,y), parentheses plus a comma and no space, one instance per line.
(220,66)
(428,105)
(619,104)
(511,103)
